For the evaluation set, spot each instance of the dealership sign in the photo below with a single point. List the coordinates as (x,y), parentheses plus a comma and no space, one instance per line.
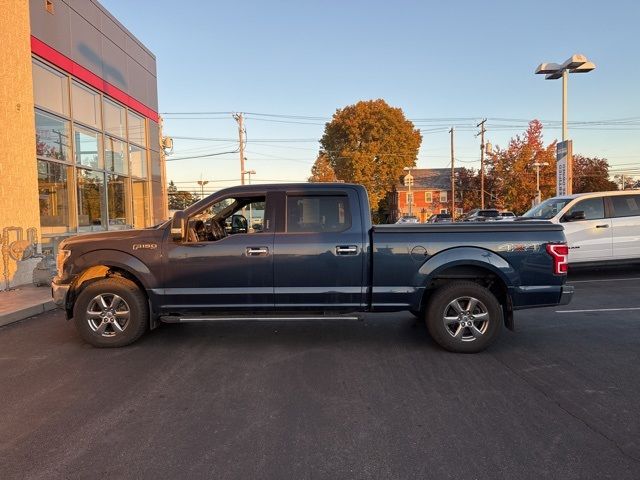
(564,168)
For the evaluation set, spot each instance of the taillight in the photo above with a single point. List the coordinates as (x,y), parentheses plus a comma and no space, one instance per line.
(560,254)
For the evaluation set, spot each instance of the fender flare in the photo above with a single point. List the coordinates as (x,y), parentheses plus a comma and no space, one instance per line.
(466,256)
(118,259)
(471,256)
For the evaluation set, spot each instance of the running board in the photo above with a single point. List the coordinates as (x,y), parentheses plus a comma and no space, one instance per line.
(198,318)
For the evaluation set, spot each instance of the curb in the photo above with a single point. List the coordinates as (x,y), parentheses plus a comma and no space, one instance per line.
(26,312)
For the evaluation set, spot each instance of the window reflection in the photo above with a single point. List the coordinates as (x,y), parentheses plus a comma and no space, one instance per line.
(136,129)
(138,158)
(53,195)
(117,195)
(114,121)
(115,154)
(140,204)
(90,200)
(88,147)
(86,105)
(50,89)
(52,137)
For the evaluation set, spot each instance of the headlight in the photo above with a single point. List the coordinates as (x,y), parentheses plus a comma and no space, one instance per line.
(60,259)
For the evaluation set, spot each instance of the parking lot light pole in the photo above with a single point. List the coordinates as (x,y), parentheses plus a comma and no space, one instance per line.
(537,166)
(202,183)
(576,64)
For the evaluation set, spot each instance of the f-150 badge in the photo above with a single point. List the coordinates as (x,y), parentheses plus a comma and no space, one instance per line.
(145,246)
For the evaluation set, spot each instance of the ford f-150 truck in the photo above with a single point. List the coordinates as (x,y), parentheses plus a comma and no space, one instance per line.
(308,251)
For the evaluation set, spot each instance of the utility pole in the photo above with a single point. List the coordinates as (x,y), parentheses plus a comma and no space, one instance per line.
(241,133)
(453,179)
(481,133)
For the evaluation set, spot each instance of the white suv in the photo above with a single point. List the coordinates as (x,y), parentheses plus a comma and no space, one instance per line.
(599,226)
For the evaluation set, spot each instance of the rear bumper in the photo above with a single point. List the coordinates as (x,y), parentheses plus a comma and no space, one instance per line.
(566,295)
(59,293)
(540,296)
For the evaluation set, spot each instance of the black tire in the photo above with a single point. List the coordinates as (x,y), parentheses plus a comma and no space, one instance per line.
(458,324)
(93,321)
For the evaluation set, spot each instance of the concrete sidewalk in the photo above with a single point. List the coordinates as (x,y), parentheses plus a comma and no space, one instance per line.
(24,302)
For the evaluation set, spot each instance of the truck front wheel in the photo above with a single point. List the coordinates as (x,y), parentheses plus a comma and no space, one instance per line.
(464,317)
(111,312)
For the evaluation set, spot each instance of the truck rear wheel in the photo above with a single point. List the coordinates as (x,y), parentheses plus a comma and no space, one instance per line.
(464,317)
(111,312)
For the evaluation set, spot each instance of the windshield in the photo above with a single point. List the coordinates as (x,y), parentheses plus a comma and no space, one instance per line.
(547,209)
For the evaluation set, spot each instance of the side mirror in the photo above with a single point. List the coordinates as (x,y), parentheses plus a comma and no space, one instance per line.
(179,226)
(577,215)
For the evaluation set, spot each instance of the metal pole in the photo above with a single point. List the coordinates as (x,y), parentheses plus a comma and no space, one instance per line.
(240,119)
(482,130)
(453,183)
(538,194)
(410,194)
(565,78)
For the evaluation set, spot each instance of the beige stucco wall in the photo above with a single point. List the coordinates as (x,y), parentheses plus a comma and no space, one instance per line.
(18,173)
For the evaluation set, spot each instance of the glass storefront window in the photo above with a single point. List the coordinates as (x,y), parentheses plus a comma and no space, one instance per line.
(88,147)
(86,105)
(140,203)
(137,133)
(138,157)
(91,208)
(114,119)
(52,137)
(118,195)
(50,89)
(115,155)
(54,197)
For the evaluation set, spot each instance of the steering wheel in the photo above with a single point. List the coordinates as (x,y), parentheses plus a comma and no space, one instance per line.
(217,231)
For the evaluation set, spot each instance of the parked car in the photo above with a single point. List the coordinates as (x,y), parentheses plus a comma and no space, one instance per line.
(439,218)
(408,219)
(507,214)
(481,215)
(600,226)
(318,257)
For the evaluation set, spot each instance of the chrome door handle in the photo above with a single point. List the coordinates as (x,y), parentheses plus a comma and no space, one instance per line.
(346,250)
(606,225)
(257,251)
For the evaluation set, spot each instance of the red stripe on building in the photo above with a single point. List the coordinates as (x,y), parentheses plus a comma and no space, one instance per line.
(51,55)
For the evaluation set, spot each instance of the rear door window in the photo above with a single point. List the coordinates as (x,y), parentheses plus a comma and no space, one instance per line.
(593,208)
(307,213)
(625,205)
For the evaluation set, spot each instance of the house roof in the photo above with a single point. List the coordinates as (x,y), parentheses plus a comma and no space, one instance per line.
(429,179)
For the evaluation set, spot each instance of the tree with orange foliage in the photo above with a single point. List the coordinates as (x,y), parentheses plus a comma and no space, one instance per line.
(511,175)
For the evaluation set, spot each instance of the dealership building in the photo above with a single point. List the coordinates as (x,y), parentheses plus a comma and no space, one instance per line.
(80,132)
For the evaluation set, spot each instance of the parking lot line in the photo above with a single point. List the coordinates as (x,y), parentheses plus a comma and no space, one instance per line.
(605,280)
(598,310)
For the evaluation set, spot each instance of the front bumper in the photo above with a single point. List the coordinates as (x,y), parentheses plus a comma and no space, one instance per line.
(59,293)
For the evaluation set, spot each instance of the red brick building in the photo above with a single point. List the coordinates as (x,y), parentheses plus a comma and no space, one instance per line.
(430,193)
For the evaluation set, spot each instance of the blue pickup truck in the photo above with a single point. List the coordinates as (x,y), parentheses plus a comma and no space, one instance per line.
(308,251)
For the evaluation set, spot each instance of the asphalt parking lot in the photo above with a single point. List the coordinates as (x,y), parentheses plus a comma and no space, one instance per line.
(559,398)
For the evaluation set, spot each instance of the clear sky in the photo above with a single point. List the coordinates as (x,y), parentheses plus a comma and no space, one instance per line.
(447,63)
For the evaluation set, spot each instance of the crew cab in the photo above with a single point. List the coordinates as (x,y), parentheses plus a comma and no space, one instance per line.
(314,255)
(601,227)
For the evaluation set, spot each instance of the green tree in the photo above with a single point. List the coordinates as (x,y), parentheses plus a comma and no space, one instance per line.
(179,199)
(370,143)
(322,171)
(511,175)
(591,175)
